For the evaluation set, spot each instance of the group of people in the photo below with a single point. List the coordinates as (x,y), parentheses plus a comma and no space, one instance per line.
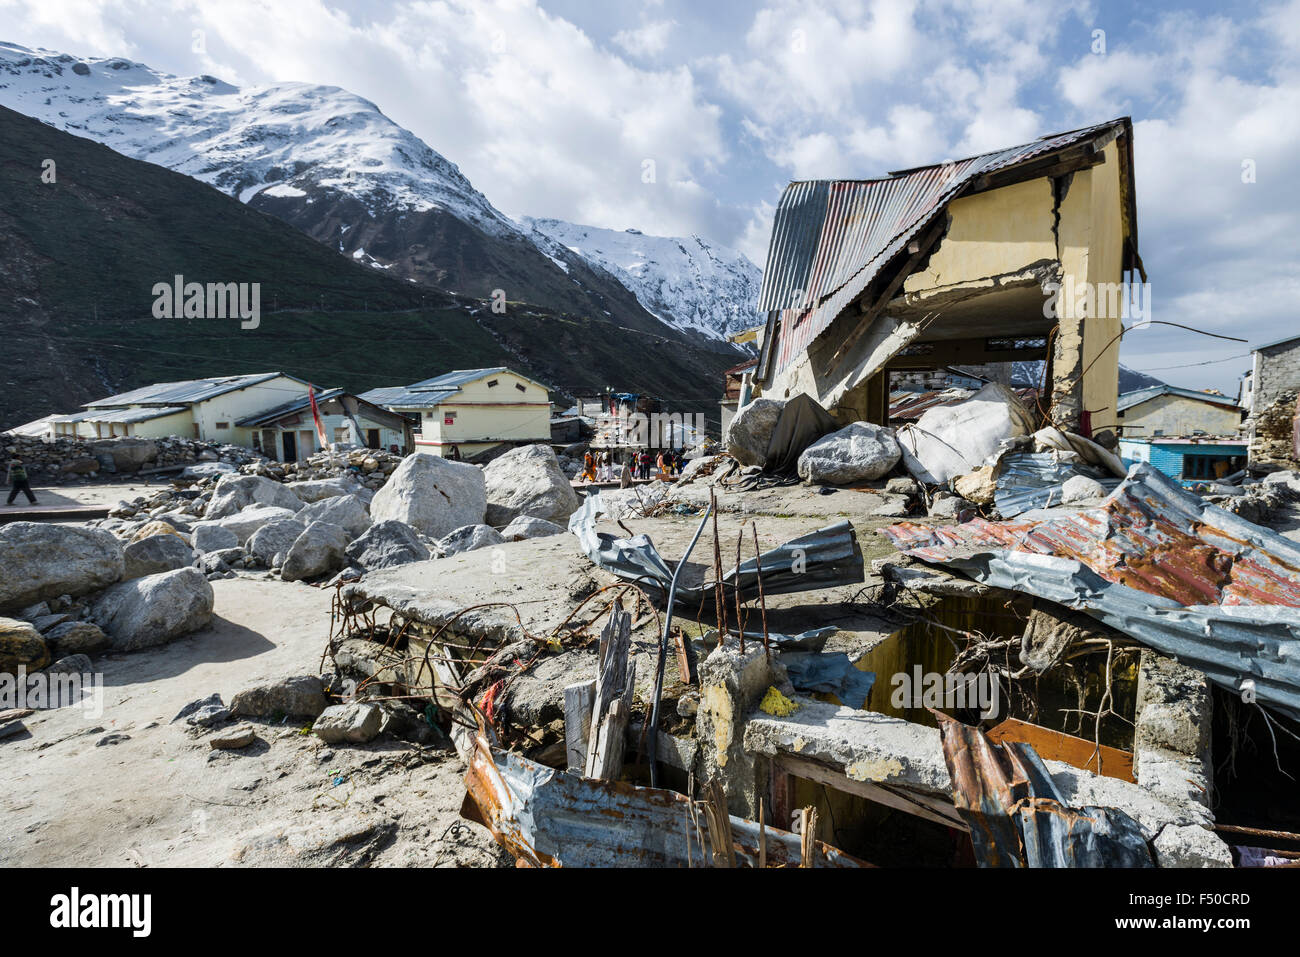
(600,467)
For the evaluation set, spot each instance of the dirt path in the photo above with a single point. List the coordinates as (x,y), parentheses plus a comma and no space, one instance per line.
(127,788)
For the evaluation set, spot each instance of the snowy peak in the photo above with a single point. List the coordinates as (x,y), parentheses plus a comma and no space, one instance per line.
(286,137)
(687,282)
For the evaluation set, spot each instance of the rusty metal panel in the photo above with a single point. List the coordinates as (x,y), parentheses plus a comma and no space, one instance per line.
(1156,562)
(1018,817)
(550,818)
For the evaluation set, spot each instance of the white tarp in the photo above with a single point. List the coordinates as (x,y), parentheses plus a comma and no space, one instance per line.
(953,440)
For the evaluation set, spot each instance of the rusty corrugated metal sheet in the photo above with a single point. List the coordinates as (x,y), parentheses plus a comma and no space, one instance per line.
(1018,817)
(1188,578)
(830,238)
(550,818)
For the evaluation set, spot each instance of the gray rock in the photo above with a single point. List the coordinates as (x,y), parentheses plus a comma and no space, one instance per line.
(21,646)
(948,507)
(126,454)
(272,539)
(45,622)
(859,452)
(347,511)
(470,537)
(154,610)
(357,722)
(211,701)
(33,612)
(528,481)
(208,470)
(211,537)
(76,638)
(233,739)
(902,485)
(386,544)
(318,550)
(71,665)
(157,553)
(1080,488)
(43,561)
(433,495)
(316,490)
(245,523)
(303,695)
(234,493)
(525,526)
(750,430)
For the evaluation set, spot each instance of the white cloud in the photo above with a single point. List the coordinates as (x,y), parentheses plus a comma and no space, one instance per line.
(647,40)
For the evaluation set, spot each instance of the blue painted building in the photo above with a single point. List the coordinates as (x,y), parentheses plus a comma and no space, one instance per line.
(1189,460)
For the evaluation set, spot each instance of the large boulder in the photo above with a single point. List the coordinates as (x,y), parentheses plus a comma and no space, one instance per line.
(528,481)
(319,549)
(76,638)
(346,511)
(386,544)
(235,493)
(750,430)
(39,561)
(212,537)
(434,495)
(302,695)
(153,610)
(127,455)
(860,452)
(273,539)
(525,526)
(315,490)
(470,537)
(21,645)
(245,523)
(157,553)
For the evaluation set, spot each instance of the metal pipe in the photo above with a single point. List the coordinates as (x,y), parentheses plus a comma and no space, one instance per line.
(653,744)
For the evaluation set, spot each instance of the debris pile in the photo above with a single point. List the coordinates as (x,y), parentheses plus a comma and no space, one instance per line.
(67,459)
(371,467)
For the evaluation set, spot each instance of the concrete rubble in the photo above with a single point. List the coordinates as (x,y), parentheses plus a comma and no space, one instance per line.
(468,620)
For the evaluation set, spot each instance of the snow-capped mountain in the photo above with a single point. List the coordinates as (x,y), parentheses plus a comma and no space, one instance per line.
(687,282)
(332,164)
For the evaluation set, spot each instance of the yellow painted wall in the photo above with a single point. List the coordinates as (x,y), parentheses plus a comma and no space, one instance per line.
(994,233)
(241,403)
(1105,265)
(1177,415)
(181,423)
(486,414)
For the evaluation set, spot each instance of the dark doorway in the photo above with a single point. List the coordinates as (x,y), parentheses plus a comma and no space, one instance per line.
(290,447)
(372,438)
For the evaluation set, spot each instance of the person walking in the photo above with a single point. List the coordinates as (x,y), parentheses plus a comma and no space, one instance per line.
(18,481)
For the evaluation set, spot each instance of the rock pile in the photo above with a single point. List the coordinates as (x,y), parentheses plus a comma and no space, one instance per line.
(68,459)
(370,467)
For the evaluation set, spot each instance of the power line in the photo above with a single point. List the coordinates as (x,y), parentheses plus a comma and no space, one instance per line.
(1189,365)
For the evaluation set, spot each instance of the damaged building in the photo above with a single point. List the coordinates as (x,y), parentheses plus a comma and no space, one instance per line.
(1016,255)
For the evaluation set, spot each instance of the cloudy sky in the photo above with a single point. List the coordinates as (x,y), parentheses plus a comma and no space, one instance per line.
(556,108)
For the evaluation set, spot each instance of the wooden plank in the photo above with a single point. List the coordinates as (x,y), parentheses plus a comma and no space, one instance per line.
(578,699)
(939,810)
(1059,746)
(612,702)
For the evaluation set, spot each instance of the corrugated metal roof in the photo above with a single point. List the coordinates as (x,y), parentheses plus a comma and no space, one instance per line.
(287,408)
(121,415)
(1028,480)
(1188,578)
(402,397)
(830,238)
(1138,396)
(187,391)
(455,379)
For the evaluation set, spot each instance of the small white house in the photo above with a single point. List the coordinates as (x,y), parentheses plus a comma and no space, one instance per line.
(471,410)
(208,409)
(288,432)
